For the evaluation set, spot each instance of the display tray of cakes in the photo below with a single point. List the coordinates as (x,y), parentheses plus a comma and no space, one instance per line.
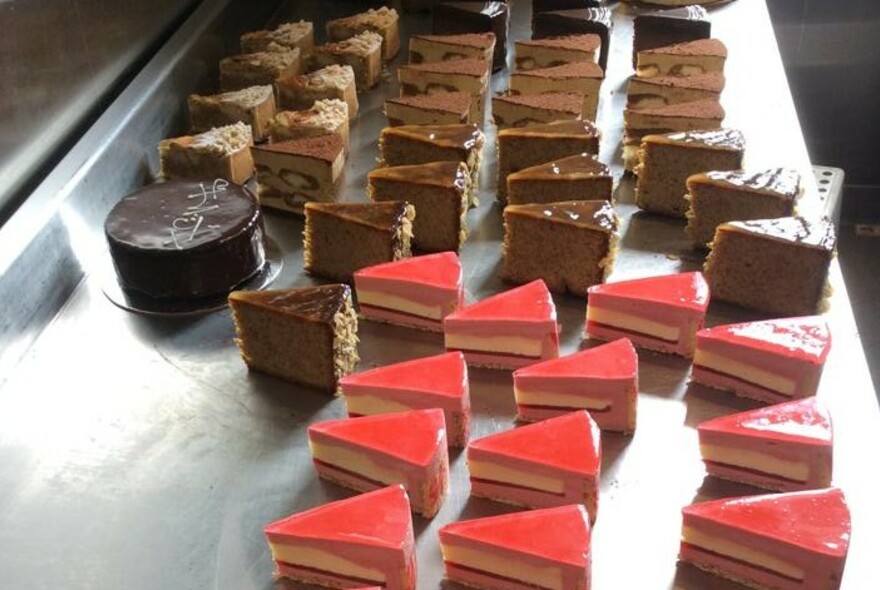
(563,330)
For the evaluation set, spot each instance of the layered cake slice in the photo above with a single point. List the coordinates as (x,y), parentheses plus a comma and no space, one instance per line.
(371,452)
(254,106)
(450,18)
(550,463)
(770,360)
(343,545)
(644,93)
(306,335)
(441,108)
(363,53)
(509,330)
(547,548)
(658,313)
(660,28)
(297,93)
(666,162)
(294,172)
(570,245)
(786,447)
(603,380)
(439,381)
(682,59)
(383,21)
(222,152)
(460,75)
(789,541)
(440,192)
(258,69)
(522,110)
(341,238)
(591,21)
(580,78)
(323,117)
(574,178)
(433,48)
(556,51)
(720,196)
(417,292)
(778,266)
(299,35)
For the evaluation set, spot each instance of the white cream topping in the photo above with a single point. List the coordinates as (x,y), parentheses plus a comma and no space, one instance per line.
(503,344)
(355,462)
(543,576)
(565,400)
(395,303)
(749,373)
(322,560)
(504,474)
(632,323)
(796,470)
(741,552)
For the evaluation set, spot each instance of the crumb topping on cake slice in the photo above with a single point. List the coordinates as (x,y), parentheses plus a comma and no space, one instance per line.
(221,141)
(360,44)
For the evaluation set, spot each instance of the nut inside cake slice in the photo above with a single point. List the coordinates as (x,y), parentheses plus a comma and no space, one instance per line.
(682,59)
(433,48)
(384,21)
(664,90)
(299,35)
(574,178)
(582,78)
(222,152)
(441,108)
(258,69)
(323,117)
(557,51)
(363,52)
(254,106)
(459,75)
(297,93)
(522,110)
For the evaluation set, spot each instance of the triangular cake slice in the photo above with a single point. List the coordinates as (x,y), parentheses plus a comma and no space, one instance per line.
(603,380)
(770,360)
(659,28)
(660,313)
(433,48)
(544,548)
(789,541)
(556,51)
(583,78)
(342,238)
(439,381)
(581,177)
(417,292)
(474,17)
(685,116)
(441,108)
(459,75)
(663,90)
(371,452)
(594,21)
(522,110)
(550,463)
(509,330)
(786,447)
(343,544)
(306,335)
(691,58)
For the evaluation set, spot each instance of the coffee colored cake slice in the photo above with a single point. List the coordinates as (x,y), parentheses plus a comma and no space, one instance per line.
(341,238)
(433,48)
(294,35)
(522,110)
(520,148)
(363,53)
(258,69)
(474,17)
(591,21)
(306,335)
(581,78)
(778,266)
(660,28)
(294,172)
(384,21)
(571,245)
(254,106)
(439,191)
(666,162)
(297,93)
(328,116)
(737,195)
(459,75)
(574,178)
(556,51)
(222,152)
(663,90)
(683,59)
(442,108)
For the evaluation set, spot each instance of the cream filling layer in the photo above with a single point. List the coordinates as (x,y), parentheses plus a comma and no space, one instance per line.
(750,373)
(633,323)
(544,576)
(795,470)
(518,345)
(395,303)
(565,400)
(368,405)
(517,477)
(740,552)
(329,562)
(354,462)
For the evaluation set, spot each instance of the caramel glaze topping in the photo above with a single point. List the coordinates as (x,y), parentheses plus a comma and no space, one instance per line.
(571,168)
(384,216)
(567,128)
(779,181)
(799,230)
(463,136)
(586,214)
(730,139)
(315,304)
(451,174)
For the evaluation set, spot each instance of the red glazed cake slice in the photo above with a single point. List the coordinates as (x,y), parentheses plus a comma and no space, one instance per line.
(791,541)
(547,549)
(417,292)
(786,447)
(550,463)
(344,545)
(603,380)
(407,448)
(658,313)
(770,361)
(508,330)
(433,382)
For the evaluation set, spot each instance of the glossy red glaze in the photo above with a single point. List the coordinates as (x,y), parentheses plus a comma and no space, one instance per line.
(438,270)
(804,421)
(683,290)
(442,374)
(615,360)
(804,338)
(529,303)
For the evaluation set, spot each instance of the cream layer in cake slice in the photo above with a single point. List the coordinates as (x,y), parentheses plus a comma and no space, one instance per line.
(556,51)
(343,544)
(441,108)
(660,313)
(581,78)
(459,75)
(664,90)
(550,463)
(603,380)
(434,48)
(682,59)
(371,452)
(523,110)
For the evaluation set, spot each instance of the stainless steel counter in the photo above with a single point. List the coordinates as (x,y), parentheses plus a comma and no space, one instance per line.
(138,452)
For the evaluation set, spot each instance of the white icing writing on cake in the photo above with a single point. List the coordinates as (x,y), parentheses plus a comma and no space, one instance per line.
(186,226)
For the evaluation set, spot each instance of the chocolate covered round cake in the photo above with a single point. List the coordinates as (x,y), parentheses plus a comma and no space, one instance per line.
(186,240)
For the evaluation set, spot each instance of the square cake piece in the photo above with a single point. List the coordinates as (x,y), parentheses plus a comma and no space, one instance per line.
(325,116)
(254,106)
(583,21)
(660,28)
(571,245)
(258,69)
(442,108)
(296,35)
(556,51)
(573,178)
(582,78)
(363,53)
(522,110)
(778,266)
(450,18)
(459,75)
(383,21)
(300,92)
(682,59)
(433,48)
(222,152)
(663,90)
(666,162)
(341,238)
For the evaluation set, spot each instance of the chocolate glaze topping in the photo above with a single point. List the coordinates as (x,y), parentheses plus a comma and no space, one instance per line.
(813,233)
(571,168)
(566,128)
(451,174)
(731,139)
(315,304)
(780,181)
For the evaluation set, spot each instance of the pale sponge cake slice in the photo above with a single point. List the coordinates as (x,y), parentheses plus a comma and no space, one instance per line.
(574,178)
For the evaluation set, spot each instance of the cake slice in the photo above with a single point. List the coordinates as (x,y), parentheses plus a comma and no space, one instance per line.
(470,76)
(546,548)
(682,59)
(363,53)
(556,51)
(440,192)
(368,453)
(306,335)
(509,330)
(222,152)
(580,78)
(666,162)
(441,108)
(786,447)
(659,91)
(784,541)
(603,380)
(292,173)
(297,93)
(778,266)
(770,360)
(254,106)
(417,292)
(591,21)
(550,463)
(658,313)
(258,69)
(452,18)
(570,245)
(581,177)
(659,28)
(439,381)
(294,35)
(433,48)
(720,196)
(522,110)
(343,545)
(323,117)
(383,21)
